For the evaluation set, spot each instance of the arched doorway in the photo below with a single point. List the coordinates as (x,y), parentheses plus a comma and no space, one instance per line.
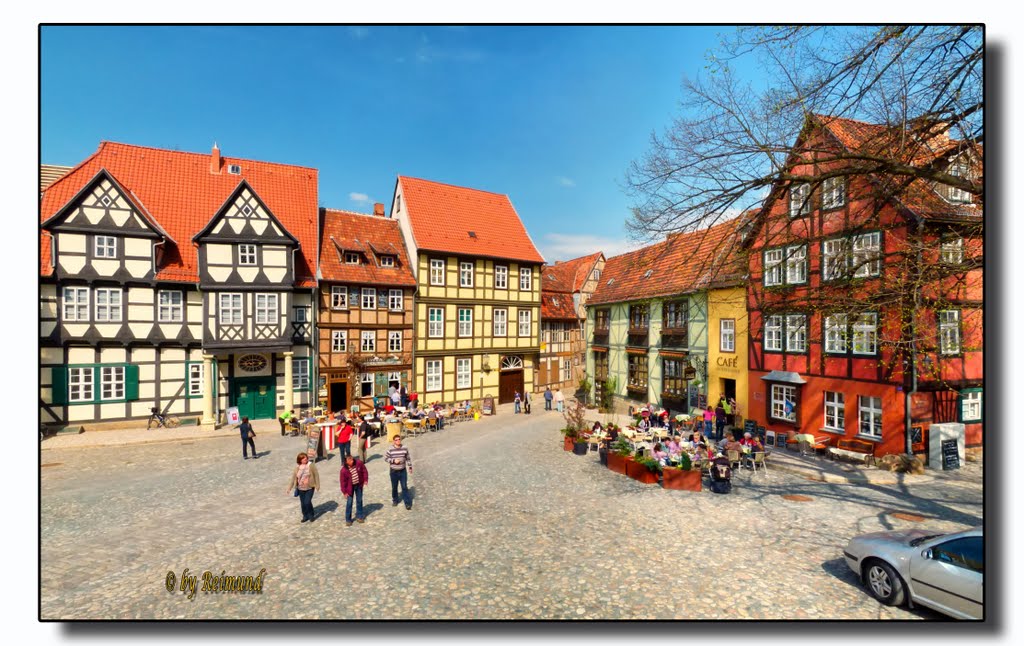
(510,379)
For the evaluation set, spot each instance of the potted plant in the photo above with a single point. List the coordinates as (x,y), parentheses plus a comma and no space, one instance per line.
(576,427)
(685,478)
(643,469)
(570,437)
(617,456)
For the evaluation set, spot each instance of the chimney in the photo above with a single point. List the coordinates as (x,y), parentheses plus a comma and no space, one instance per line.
(215,159)
(378,209)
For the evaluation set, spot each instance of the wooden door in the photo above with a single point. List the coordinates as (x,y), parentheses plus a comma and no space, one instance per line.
(255,397)
(509,383)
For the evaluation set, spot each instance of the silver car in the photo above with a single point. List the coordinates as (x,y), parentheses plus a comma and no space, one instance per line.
(945,572)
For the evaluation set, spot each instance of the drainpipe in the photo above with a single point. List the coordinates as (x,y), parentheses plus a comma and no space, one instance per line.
(908,432)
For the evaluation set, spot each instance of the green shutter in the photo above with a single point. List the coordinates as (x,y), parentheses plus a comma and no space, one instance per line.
(131,382)
(59,385)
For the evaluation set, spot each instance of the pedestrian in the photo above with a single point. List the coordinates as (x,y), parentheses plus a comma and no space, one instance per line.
(344,439)
(559,399)
(363,437)
(353,477)
(247,439)
(285,420)
(720,416)
(305,481)
(401,466)
(526,402)
(519,403)
(403,394)
(709,417)
(548,397)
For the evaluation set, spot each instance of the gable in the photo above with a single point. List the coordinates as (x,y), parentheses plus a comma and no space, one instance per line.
(244,217)
(103,206)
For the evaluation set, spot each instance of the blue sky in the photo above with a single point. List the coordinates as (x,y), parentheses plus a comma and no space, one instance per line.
(551,116)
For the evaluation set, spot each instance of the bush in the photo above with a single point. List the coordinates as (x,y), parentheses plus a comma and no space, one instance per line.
(651,464)
(621,447)
(684,461)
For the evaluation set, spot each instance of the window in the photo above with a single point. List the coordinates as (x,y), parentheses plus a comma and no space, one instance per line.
(465,321)
(398,203)
(369,301)
(639,316)
(434,375)
(246,254)
(366,384)
(796,264)
(953,251)
(500,277)
(799,199)
(339,340)
(80,385)
(958,195)
(773,267)
(230,309)
(76,304)
(727,337)
(525,279)
(637,371)
(796,333)
(465,274)
(597,274)
(463,373)
(266,309)
(339,297)
(870,416)
(967,552)
(834,412)
(106,247)
(435,322)
(436,272)
(773,333)
(300,373)
(835,334)
(169,307)
(108,304)
(833,259)
(351,258)
(672,382)
(395,341)
(865,334)
(500,322)
(970,405)
(396,302)
(783,402)
(566,369)
(195,380)
(949,331)
(234,169)
(111,382)
(602,319)
(600,367)
(368,341)
(833,193)
(524,323)
(675,315)
(387,261)
(866,257)
(301,314)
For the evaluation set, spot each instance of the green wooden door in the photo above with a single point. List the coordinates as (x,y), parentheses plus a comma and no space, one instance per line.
(255,397)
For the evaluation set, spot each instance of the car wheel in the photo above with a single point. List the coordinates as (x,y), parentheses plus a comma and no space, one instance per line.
(883,583)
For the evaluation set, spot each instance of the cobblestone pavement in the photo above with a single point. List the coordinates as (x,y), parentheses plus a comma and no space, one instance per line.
(505,524)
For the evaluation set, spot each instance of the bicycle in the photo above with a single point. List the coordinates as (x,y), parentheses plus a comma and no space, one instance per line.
(165,421)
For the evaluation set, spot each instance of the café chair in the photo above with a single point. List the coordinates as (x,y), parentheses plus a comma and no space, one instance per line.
(431,424)
(759,459)
(734,459)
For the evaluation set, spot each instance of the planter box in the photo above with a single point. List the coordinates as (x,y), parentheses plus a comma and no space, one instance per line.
(616,463)
(580,448)
(567,443)
(681,480)
(640,473)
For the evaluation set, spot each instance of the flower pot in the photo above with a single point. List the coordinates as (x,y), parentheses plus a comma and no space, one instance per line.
(682,480)
(616,463)
(567,444)
(579,448)
(640,473)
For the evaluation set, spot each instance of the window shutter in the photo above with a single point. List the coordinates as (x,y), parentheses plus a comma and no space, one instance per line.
(131,382)
(59,382)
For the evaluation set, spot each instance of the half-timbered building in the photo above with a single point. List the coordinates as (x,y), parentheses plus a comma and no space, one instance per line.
(565,289)
(478,291)
(176,280)
(365,308)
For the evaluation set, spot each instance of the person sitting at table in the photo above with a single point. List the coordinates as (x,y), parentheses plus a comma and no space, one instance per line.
(389,409)
(751,442)
(722,443)
(596,428)
(732,444)
(643,424)
(613,433)
(433,415)
(673,445)
(658,454)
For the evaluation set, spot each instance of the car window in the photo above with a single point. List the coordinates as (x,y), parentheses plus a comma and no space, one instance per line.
(965,552)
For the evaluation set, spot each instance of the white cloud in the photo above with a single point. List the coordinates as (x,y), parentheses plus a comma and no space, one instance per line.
(362,198)
(566,246)
(565,181)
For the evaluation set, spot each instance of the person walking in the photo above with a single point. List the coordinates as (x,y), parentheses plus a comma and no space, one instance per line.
(548,397)
(709,417)
(344,439)
(305,480)
(559,399)
(403,394)
(353,477)
(397,456)
(363,437)
(519,403)
(526,402)
(247,439)
(720,417)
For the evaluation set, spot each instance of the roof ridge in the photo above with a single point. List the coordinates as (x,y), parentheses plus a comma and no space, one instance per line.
(466,188)
(202,154)
(365,215)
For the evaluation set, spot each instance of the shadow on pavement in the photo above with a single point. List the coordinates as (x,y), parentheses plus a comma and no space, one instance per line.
(371,508)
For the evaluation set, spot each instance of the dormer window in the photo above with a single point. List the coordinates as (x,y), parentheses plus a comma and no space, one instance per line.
(387,261)
(246,254)
(106,247)
(234,169)
(351,258)
(958,195)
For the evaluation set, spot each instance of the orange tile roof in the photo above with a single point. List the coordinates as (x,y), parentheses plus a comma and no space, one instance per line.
(568,276)
(442,217)
(682,263)
(557,306)
(368,234)
(179,192)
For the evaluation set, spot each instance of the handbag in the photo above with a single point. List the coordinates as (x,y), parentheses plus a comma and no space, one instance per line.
(252,434)
(296,494)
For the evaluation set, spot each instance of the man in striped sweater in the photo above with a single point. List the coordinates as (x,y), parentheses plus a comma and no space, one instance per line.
(401,466)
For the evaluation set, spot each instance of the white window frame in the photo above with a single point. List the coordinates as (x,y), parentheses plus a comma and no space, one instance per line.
(499,323)
(773,333)
(525,321)
(773,266)
(833,193)
(866,254)
(112,379)
(437,271)
(796,333)
(835,411)
(351,258)
(300,373)
(799,199)
(779,393)
(435,322)
(368,299)
(80,385)
(368,341)
(566,369)
(339,340)
(836,328)
(107,310)
(76,304)
(953,251)
(339,297)
(167,310)
(395,341)
(869,416)
(796,264)
(525,279)
(387,261)
(196,379)
(865,334)
(266,309)
(949,331)
(301,314)
(366,384)
(466,324)
(434,375)
(834,259)
(396,300)
(958,168)
(501,277)
(246,254)
(464,373)
(105,246)
(231,312)
(466,274)
(727,335)
(969,403)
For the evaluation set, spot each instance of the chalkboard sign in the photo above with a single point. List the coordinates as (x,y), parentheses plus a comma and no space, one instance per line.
(750,426)
(488,405)
(780,438)
(916,435)
(770,441)
(312,441)
(950,455)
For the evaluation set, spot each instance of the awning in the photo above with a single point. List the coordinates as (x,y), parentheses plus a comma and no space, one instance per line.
(785,377)
(674,354)
(598,348)
(636,351)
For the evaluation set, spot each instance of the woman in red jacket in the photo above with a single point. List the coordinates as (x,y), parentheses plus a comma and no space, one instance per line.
(344,439)
(353,477)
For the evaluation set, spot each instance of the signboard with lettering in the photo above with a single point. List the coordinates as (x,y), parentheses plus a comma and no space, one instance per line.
(488,405)
(750,426)
(950,455)
(312,441)
(232,415)
(689,372)
(770,439)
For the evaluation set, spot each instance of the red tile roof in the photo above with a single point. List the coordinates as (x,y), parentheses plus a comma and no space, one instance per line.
(178,191)
(443,216)
(683,263)
(568,276)
(557,306)
(367,234)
